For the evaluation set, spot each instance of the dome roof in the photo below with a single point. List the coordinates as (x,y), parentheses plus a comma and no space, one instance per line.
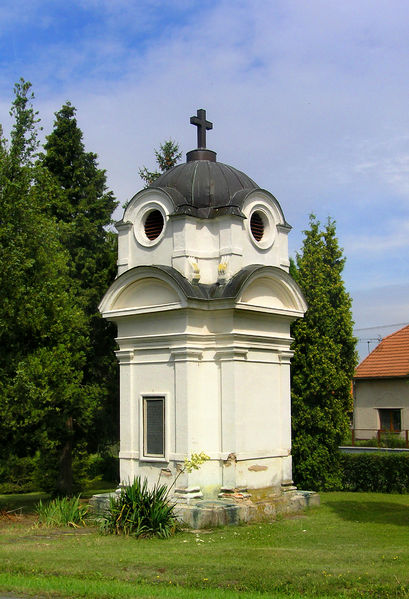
(205,188)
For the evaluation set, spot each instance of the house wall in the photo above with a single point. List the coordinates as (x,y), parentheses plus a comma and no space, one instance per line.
(371,395)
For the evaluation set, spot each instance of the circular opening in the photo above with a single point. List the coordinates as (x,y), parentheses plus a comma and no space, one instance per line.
(154,224)
(257,226)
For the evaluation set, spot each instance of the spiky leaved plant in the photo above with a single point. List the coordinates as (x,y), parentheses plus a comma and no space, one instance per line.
(62,511)
(140,511)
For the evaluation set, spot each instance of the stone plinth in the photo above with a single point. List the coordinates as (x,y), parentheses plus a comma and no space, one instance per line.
(236,508)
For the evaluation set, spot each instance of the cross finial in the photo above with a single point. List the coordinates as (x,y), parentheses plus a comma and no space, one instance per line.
(202,126)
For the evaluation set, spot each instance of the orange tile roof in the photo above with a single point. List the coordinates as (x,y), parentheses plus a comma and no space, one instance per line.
(390,358)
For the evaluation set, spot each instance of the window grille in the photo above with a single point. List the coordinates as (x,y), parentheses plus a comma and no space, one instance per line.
(154,225)
(257,226)
(154,426)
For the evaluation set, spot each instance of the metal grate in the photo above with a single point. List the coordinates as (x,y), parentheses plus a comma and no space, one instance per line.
(154,426)
(153,225)
(257,226)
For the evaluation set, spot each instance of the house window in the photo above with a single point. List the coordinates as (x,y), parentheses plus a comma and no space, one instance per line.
(154,427)
(390,421)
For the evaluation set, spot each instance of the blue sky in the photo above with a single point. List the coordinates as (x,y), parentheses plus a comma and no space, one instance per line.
(308,98)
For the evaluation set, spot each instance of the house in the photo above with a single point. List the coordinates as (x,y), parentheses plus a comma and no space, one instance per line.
(381,389)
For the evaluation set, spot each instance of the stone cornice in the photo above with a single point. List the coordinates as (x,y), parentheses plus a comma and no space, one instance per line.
(125,356)
(208,341)
(186,354)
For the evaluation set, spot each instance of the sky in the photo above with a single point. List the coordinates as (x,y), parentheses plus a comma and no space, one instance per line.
(310,99)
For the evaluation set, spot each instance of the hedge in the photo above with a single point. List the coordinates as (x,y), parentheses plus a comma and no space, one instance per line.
(379,473)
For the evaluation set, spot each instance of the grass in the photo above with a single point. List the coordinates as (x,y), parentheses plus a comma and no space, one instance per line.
(354,546)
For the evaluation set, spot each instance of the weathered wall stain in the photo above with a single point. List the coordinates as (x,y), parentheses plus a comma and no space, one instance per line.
(257,468)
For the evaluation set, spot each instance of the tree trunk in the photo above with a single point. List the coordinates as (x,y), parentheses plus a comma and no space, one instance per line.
(65,482)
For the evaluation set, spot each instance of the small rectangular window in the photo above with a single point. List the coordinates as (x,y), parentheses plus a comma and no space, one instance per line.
(154,426)
(390,420)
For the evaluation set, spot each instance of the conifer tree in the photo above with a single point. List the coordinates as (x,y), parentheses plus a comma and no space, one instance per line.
(324,361)
(83,211)
(166,157)
(44,402)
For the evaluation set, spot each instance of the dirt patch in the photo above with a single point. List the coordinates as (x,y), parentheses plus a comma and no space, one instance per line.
(11,515)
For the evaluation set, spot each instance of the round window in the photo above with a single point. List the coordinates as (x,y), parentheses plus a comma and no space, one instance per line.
(154,224)
(257,226)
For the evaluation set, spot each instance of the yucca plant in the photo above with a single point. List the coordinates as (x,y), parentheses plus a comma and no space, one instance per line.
(140,511)
(62,511)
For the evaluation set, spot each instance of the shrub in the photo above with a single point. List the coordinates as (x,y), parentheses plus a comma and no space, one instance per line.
(63,511)
(139,511)
(86,469)
(375,472)
(103,465)
(392,440)
(17,474)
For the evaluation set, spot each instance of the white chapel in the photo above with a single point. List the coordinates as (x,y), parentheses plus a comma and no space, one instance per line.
(203,302)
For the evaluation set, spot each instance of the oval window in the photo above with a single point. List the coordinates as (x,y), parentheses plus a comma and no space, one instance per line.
(154,224)
(257,226)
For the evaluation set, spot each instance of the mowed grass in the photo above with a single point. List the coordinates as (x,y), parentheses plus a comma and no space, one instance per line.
(353,546)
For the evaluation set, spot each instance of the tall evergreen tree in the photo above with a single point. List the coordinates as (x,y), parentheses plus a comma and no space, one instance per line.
(44,402)
(166,157)
(83,212)
(324,360)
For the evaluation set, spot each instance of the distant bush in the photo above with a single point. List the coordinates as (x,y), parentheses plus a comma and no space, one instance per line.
(140,511)
(375,472)
(104,465)
(34,473)
(62,511)
(86,469)
(392,440)
(17,475)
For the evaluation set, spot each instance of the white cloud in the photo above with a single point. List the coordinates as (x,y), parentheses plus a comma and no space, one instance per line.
(310,99)
(396,238)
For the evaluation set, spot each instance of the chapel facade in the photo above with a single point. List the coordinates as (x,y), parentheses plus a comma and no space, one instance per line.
(203,302)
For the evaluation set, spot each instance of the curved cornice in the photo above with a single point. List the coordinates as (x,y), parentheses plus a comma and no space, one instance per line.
(186,291)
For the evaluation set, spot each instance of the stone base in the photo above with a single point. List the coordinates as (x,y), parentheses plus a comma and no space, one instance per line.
(231,507)
(181,496)
(239,507)
(100,503)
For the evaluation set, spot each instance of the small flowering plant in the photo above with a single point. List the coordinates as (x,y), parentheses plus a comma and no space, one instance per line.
(196,460)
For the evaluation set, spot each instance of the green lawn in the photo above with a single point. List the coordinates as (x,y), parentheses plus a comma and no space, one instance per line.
(354,546)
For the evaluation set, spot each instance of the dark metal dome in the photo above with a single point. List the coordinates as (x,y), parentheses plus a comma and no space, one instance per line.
(205,188)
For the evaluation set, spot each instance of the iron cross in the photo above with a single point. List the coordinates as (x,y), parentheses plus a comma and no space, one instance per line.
(202,125)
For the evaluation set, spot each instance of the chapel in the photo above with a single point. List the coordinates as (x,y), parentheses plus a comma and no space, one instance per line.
(203,303)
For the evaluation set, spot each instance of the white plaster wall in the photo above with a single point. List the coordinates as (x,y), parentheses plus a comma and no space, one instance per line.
(258,408)
(259,473)
(260,323)
(148,326)
(143,378)
(371,395)
(223,396)
(207,243)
